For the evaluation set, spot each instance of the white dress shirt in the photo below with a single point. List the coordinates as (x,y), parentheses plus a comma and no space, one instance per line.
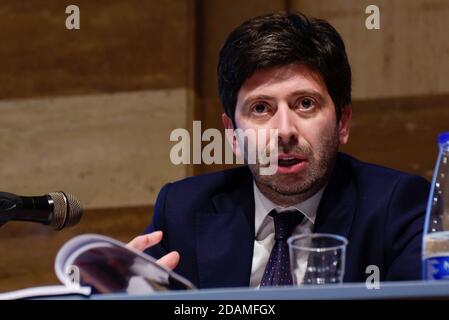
(264,227)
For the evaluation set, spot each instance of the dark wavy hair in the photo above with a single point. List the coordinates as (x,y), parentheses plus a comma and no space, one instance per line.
(279,39)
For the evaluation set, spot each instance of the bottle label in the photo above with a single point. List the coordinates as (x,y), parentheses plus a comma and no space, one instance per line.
(436,268)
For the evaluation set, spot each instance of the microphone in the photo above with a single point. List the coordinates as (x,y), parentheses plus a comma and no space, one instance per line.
(57,209)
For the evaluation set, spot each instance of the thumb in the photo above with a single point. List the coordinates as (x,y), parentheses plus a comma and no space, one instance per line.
(170,260)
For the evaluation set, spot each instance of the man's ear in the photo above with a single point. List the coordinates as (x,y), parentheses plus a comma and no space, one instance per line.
(344,124)
(230,135)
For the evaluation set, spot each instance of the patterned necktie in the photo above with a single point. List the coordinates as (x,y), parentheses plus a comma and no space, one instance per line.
(277,271)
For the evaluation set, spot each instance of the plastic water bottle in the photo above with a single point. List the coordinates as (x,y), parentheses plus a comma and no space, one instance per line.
(435,253)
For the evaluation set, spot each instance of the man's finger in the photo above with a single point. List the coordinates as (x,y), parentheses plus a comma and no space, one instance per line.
(170,260)
(145,241)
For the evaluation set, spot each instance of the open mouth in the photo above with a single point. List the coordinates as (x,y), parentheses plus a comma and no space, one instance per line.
(288,162)
(291,163)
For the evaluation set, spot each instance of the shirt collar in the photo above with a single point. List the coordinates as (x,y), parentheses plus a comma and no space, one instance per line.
(263,206)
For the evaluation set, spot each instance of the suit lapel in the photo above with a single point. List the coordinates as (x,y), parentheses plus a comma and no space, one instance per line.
(225,236)
(336,210)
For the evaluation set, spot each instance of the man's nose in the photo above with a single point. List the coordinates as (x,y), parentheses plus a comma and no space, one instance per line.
(284,121)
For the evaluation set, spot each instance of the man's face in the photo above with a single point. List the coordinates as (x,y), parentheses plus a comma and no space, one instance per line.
(294,100)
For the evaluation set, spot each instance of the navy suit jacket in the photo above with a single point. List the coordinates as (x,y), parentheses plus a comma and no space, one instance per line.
(209,220)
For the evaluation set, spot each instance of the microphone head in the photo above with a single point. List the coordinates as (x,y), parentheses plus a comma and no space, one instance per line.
(67,210)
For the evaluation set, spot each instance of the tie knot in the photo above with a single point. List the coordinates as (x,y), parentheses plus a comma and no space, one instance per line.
(285,222)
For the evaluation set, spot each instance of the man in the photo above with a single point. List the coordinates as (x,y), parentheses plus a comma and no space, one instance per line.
(287,72)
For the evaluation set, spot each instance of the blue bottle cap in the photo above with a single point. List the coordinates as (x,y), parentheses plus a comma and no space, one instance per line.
(443,138)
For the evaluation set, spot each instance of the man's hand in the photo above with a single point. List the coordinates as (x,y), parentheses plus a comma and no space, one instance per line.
(140,243)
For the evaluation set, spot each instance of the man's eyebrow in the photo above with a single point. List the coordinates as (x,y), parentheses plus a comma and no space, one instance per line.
(309,92)
(257,97)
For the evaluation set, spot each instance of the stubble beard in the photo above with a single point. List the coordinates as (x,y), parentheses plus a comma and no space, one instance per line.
(289,189)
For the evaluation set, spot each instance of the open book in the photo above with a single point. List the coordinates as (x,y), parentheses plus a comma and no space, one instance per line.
(93,263)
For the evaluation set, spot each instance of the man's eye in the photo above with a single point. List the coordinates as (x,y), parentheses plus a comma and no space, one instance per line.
(260,108)
(306,104)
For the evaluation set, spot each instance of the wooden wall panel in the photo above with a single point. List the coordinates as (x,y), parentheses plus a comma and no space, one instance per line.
(409,55)
(121,46)
(110,150)
(91,110)
(399,132)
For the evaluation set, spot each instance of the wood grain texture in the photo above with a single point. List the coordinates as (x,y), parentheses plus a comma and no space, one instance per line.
(399,132)
(121,45)
(109,150)
(408,55)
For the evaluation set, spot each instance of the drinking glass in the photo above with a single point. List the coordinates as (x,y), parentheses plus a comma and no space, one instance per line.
(317,258)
